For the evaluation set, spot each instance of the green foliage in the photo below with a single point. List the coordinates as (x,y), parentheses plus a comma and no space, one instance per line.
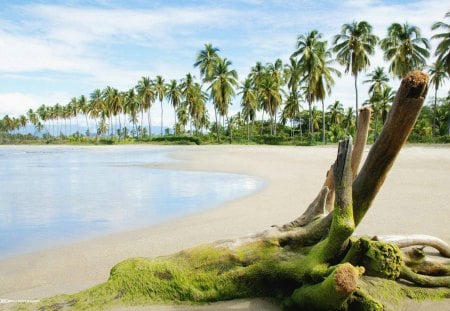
(179,140)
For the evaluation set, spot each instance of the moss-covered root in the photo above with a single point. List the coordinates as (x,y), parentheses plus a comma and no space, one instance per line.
(424,280)
(330,294)
(363,301)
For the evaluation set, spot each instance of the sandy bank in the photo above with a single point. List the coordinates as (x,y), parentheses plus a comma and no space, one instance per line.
(414,199)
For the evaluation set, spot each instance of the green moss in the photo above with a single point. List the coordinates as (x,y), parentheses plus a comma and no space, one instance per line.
(392,294)
(208,273)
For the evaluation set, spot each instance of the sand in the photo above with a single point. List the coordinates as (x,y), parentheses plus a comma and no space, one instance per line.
(414,199)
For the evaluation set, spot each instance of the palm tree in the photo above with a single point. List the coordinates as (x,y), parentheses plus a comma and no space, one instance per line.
(308,46)
(336,111)
(269,92)
(131,107)
(188,91)
(174,95)
(378,80)
(248,103)
(160,90)
(443,48)
(291,109)
(146,94)
(438,74)
(223,82)
(83,107)
(353,46)
(206,60)
(96,109)
(323,81)
(405,49)
(293,74)
(113,105)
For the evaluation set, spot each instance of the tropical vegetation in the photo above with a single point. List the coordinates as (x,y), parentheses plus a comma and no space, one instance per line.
(277,100)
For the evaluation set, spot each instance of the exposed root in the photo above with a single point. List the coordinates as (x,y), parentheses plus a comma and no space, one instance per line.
(424,280)
(416,239)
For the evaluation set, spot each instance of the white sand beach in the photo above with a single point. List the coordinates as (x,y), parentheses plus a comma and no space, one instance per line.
(414,199)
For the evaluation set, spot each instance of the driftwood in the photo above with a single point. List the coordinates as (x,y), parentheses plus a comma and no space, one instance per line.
(311,263)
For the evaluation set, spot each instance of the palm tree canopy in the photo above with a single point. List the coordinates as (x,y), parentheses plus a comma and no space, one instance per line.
(354,45)
(378,80)
(160,87)
(206,60)
(223,82)
(443,48)
(405,49)
(438,74)
(174,93)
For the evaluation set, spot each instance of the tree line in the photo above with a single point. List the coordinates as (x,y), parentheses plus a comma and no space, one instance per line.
(275,91)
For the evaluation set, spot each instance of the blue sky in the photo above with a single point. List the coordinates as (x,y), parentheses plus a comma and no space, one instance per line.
(51,51)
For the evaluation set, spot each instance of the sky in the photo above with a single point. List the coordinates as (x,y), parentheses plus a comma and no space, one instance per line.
(52,50)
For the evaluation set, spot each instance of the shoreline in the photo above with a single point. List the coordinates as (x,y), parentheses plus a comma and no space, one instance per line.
(413,200)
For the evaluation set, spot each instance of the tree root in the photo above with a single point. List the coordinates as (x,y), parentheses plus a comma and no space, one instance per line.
(417,239)
(424,280)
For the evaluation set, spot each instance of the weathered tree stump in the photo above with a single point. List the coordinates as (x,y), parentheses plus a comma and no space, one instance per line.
(311,263)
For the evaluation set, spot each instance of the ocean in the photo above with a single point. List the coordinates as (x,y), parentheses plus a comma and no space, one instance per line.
(51,195)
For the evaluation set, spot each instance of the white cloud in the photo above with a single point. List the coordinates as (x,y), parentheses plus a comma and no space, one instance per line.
(15,104)
(98,43)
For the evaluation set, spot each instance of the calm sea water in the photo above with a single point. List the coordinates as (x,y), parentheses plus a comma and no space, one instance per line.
(53,195)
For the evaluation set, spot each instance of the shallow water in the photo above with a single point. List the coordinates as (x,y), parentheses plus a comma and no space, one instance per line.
(53,195)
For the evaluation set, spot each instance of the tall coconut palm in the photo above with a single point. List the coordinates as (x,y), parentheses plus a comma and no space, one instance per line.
(353,46)
(146,94)
(323,80)
(443,48)
(83,107)
(96,109)
(291,109)
(378,80)
(256,75)
(113,104)
(270,97)
(248,103)
(308,46)
(206,60)
(188,91)
(405,49)
(160,90)
(336,111)
(131,107)
(293,74)
(174,95)
(223,82)
(438,74)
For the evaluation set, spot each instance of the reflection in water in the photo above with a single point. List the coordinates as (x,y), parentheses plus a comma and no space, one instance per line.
(51,195)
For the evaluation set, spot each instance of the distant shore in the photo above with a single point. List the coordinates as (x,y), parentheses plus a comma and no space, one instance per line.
(414,199)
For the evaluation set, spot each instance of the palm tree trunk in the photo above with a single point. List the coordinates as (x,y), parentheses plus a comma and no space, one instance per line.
(356,99)
(142,123)
(149,117)
(262,122)
(275,124)
(230,129)
(434,111)
(87,125)
(248,129)
(323,122)
(162,116)
(175,124)
(310,117)
(217,124)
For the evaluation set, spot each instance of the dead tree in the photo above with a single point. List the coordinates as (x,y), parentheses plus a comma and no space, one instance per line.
(311,263)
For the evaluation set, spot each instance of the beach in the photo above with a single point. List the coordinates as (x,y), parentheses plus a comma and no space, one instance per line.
(414,199)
